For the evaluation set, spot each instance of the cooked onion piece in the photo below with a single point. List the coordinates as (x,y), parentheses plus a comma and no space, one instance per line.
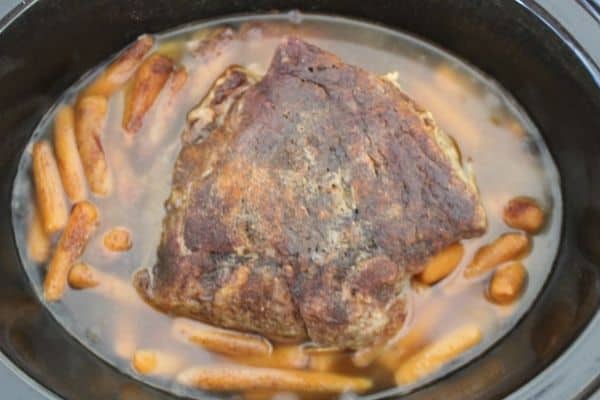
(211,58)
(447,114)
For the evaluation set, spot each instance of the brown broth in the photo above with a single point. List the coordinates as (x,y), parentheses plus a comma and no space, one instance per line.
(506,151)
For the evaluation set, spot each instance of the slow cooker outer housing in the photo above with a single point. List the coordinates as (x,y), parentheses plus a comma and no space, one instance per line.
(53,42)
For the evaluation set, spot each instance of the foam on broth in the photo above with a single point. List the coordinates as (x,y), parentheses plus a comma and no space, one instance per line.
(507,154)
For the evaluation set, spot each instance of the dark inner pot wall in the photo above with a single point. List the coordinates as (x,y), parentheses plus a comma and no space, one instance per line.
(53,43)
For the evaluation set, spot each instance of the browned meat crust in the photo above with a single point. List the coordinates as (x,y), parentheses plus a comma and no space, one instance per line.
(305,211)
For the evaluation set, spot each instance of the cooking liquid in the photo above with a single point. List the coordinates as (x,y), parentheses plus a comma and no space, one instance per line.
(506,151)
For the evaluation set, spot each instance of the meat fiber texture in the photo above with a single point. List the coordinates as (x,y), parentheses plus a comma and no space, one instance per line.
(302,204)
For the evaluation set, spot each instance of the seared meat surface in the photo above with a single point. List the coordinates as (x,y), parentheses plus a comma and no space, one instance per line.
(303,203)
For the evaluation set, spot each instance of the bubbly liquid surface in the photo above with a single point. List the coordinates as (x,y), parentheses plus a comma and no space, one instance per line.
(506,151)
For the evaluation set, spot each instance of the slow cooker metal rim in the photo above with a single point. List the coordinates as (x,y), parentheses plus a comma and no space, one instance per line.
(13,14)
(42,390)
